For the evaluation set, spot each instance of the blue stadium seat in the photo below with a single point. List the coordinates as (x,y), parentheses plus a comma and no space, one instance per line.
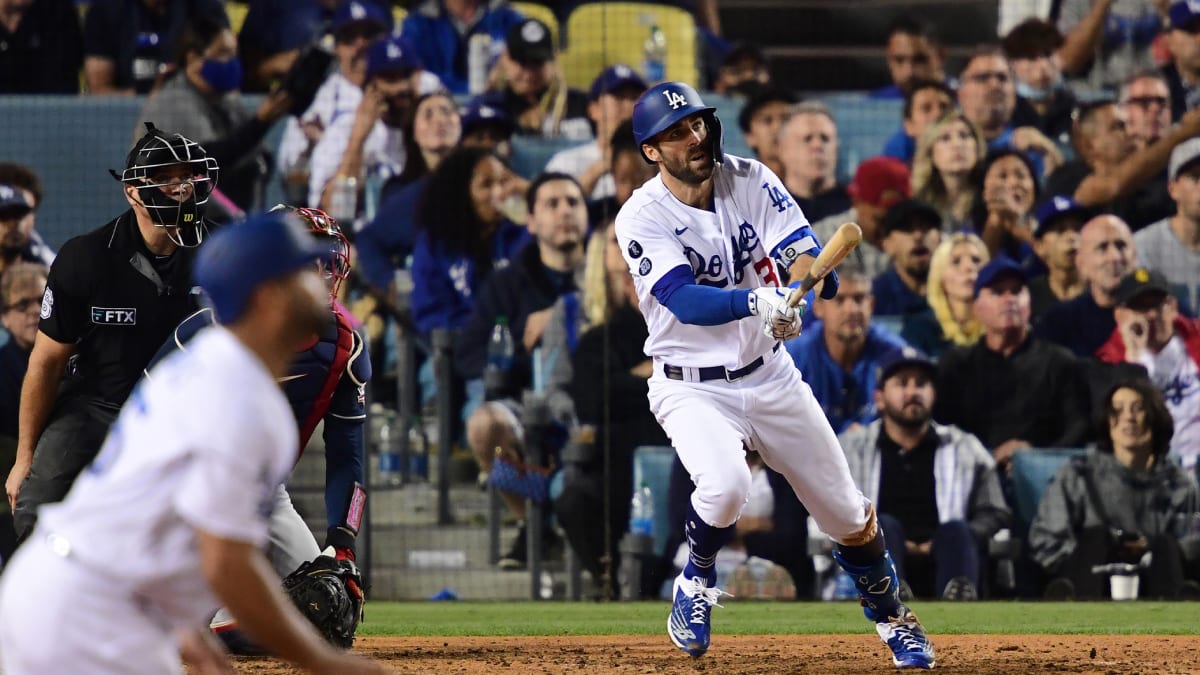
(652,466)
(1032,471)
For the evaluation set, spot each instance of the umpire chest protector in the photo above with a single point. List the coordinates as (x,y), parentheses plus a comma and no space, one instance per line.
(117,302)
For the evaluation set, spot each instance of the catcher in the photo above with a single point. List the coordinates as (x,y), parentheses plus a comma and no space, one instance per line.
(325,382)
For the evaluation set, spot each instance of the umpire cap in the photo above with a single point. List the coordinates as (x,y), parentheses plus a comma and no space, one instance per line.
(238,259)
(665,104)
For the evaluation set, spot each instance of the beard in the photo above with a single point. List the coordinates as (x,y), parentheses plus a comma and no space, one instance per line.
(684,173)
(911,415)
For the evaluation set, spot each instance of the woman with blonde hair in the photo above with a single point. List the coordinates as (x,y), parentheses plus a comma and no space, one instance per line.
(941,174)
(950,292)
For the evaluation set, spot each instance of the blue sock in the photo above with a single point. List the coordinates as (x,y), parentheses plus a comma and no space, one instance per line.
(877,583)
(704,541)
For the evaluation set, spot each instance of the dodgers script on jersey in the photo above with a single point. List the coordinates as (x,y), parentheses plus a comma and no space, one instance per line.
(204,445)
(754,225)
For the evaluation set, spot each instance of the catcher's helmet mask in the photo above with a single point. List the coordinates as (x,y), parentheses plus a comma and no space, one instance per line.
(334,265)
(149,160)
(665,104)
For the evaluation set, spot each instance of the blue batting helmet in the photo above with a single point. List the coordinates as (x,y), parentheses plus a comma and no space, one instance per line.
(665,104)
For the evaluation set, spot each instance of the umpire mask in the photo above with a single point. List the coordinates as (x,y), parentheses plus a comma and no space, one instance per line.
(174,178)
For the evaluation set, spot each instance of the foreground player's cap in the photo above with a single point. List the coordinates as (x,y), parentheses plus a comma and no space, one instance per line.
(239,258)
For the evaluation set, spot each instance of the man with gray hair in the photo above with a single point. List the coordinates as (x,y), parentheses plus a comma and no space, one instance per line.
(1172,245)
(808,149)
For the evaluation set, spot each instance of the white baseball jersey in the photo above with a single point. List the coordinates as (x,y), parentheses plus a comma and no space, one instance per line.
(753,225)
(203,445)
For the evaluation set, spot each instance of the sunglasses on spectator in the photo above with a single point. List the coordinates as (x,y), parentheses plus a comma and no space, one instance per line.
(25,304)
(1147,101)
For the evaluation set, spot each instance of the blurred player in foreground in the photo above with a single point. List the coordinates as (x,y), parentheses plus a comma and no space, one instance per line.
(170,519)
(703,241)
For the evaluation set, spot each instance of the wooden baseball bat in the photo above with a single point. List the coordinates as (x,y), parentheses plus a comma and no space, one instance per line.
(836,249)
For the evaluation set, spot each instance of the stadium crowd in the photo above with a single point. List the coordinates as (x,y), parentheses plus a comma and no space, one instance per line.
(1029,277)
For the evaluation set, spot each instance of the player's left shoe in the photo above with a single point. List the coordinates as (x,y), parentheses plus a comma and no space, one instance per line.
(689,623)
(906,638)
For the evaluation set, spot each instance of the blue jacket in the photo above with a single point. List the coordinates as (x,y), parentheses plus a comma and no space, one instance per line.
(901,146)
(445,283)
(385,243)
(442,50)
(893,297)
(844,397)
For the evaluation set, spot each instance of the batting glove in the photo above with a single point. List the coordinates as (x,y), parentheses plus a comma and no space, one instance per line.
(769,304)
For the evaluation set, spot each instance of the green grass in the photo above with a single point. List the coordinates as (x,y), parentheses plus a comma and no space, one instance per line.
(753,618)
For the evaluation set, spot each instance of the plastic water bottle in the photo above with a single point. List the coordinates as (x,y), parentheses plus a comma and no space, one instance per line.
(654,55)
(389,460)
(343,203)
(479,59)
(499,358)
(641,512)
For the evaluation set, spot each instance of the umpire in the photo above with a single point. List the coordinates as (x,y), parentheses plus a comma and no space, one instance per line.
(112,297)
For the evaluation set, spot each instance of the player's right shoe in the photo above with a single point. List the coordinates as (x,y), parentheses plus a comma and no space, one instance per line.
(906,638)
(689,623)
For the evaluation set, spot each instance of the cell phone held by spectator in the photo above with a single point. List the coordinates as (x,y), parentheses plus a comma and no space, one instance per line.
(306,76)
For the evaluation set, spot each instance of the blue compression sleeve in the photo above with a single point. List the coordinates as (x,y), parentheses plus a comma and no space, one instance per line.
(699,305)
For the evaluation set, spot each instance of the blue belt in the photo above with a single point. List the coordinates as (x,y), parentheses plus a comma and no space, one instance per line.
(709,373)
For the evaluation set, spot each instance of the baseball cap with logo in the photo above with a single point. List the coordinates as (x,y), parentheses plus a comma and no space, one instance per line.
(529,43)
(881,182)
(1055,208)
(999,268)
(13,203)
(1183,14)
(239,258)
(478,115)
(615,78)
(901,357)
(391,55)
(1139,281)
(359,16)
(1183,157)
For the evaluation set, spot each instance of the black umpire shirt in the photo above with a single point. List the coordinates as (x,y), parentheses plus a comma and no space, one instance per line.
(116,302)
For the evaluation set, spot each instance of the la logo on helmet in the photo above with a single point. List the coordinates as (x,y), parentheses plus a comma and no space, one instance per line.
(674,99)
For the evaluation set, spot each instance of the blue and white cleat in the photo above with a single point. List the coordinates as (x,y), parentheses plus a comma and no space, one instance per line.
(688,624)
(906,638)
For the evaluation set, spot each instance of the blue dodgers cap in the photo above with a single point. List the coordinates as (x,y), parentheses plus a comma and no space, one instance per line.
(12,202)
(479,114)
(391,55)
(365,11)
(1183,12)
(614,78)
(239,258)
(898,358)
(1001,266)
(1058,206)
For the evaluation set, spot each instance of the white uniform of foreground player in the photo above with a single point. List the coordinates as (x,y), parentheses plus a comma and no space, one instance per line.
(704,241)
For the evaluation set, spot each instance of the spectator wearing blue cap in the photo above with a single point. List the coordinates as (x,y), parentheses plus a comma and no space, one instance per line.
(15,243)
(1056,240)
(441,31)
(1011,389)
(935,486)
(486,126)
(531,89)
(129,45)
(369,143)
(43,48)
(26,180)
(1172,245)
(610,102)
(838,355)
(355,25)
(1183,72)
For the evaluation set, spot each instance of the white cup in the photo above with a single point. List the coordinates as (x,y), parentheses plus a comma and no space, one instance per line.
(1123,586)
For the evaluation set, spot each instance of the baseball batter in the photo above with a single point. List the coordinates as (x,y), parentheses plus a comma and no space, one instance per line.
(169,519)
(703,241)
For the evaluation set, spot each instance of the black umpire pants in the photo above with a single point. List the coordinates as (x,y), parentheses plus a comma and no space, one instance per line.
(70,442)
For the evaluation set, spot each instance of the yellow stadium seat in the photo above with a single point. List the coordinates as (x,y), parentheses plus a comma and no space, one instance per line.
(236,11)
(605,33)
(398,15)
(541,13)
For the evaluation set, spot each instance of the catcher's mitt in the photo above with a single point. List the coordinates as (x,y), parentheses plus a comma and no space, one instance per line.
(329,592)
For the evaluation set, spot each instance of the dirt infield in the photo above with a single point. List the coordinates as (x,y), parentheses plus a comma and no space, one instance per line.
(763,654)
